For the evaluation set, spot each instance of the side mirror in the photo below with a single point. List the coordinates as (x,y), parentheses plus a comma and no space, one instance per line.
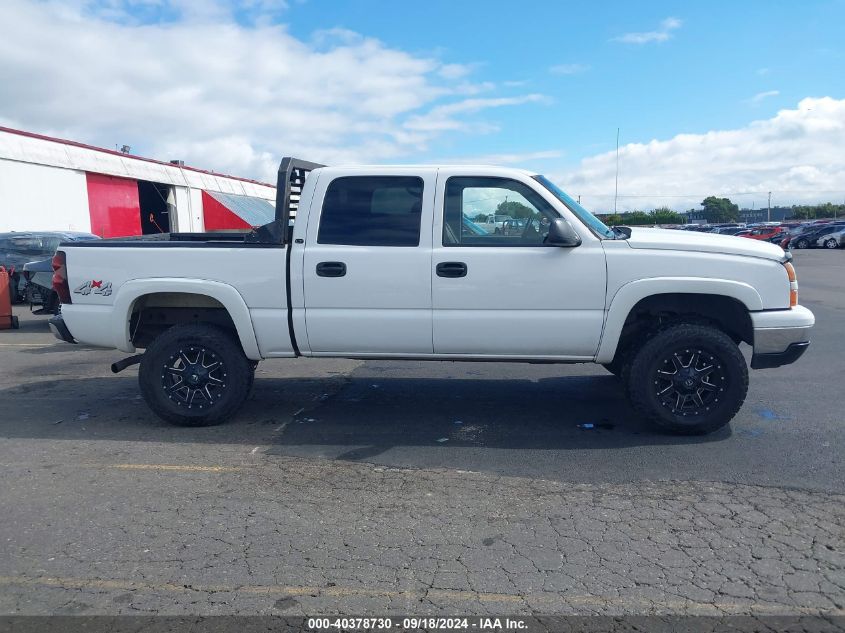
(561,233)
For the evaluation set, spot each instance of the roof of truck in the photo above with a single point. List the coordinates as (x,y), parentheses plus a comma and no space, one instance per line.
(433,166)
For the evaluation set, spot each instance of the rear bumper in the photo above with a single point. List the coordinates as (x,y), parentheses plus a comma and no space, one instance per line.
(59,329)
(780,336)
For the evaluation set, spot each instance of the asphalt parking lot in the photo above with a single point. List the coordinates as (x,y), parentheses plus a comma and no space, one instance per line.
(371,488)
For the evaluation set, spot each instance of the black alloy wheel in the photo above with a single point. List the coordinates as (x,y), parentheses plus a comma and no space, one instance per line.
(689,381)
(688,378)
(195,375)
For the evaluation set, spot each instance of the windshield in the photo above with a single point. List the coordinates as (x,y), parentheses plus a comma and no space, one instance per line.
(592,222)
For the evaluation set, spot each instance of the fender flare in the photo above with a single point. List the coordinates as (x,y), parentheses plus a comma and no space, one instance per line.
(230,298)
(633,292)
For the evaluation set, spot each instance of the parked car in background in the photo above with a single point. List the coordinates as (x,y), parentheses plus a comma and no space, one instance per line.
(810,237)
(764,233)
(19,247)
(37,276)
(832,240)
(495,223)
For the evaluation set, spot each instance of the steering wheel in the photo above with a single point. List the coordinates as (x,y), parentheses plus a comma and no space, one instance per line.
(528,229)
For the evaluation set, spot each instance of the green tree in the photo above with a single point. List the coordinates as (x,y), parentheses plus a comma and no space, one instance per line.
(719,210)
(665,215)
(515,210)
(817,211)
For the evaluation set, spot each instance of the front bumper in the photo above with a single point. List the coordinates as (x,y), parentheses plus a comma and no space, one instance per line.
(780,336)
(59,329)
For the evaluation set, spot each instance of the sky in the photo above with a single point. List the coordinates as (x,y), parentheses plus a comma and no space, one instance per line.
(710,98)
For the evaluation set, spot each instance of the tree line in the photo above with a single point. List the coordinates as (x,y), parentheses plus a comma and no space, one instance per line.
(714,209)
(717,210)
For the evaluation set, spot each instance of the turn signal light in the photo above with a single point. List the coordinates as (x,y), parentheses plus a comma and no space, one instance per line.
(793,284)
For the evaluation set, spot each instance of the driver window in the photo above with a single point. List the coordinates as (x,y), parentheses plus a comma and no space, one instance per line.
(494,212)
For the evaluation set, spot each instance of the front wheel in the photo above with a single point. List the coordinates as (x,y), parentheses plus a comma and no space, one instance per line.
(195,375)
(688,379)
(831,243)
(802,244)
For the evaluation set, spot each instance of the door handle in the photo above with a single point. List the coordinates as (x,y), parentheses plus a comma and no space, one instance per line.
(451,269)
(331,269)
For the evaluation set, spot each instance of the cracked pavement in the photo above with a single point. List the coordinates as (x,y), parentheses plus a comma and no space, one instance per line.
(333,494)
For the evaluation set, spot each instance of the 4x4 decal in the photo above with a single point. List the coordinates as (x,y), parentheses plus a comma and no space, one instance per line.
(94,286)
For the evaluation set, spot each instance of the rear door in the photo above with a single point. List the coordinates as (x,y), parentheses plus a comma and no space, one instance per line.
(367,263)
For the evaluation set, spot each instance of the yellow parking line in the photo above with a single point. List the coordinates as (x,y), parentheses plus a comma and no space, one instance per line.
(687,607)
(171,467)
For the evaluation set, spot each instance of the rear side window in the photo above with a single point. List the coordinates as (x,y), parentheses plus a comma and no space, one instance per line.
(372,211)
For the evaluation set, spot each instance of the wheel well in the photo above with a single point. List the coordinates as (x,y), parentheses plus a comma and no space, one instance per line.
(153,313)
(652,313)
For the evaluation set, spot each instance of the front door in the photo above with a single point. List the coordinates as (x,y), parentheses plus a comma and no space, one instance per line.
(506,293)
(367,263)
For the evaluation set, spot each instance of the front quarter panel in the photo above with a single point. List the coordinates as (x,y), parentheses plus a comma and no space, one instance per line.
(634,274)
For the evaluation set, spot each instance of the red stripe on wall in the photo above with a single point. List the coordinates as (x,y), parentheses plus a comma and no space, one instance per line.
(113,206)
(218,217)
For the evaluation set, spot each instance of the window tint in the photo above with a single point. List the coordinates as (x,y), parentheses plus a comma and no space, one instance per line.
(372,211)
(494,212)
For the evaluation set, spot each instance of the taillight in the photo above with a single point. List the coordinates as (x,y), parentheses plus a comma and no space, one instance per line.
(60,277)
(793,284)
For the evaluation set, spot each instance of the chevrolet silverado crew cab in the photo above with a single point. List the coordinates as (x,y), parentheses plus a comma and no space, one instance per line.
(384,263)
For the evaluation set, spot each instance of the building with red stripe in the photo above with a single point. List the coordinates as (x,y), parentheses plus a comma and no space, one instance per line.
(51,184)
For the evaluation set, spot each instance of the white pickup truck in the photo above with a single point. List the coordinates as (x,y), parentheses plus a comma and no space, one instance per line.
(381,263)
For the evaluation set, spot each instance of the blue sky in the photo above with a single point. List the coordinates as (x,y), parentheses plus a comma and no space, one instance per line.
(703,77)
(716,97)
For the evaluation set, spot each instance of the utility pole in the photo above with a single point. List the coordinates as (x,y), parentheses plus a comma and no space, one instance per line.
(579,198)
(616,189)
(769,210)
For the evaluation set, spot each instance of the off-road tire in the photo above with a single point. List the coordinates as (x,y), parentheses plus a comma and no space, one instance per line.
(730,374)
(157,376)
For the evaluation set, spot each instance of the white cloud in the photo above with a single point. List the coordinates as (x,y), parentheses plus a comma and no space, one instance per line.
(760,96)
(660,35)
(515,158)
(796,154)
(568,69)
(223,94)
(442,118)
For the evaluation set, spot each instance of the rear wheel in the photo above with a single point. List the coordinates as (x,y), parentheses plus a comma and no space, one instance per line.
(195,375)
(831,243)
(688,379)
